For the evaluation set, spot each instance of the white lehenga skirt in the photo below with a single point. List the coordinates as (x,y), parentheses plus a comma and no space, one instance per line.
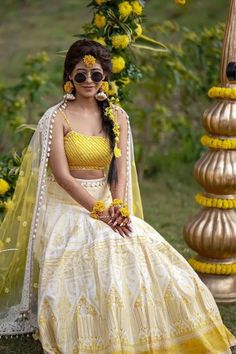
(102,293)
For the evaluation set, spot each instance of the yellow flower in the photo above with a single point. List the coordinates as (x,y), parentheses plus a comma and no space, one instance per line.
(137,8)
(100,2)
(89,60)
(100,21)
(117,152)
(8,240)
(125,80)
(138,30)
(118,64)
(125,9)
(113,89)
(104,86)
(4,186)
(180,2)
(120,41)
(100,40)
(125,211)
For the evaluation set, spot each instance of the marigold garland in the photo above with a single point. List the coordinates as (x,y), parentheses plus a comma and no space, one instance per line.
(216,143)
(212,268)
(222,92)
(215,202)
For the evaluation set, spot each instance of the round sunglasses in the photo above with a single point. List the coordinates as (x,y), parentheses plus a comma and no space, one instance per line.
(96,76)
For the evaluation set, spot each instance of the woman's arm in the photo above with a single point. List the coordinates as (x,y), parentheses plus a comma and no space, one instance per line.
(118,189)
(60,169)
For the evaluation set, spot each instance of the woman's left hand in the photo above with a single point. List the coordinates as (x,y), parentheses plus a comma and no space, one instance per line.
(120,222)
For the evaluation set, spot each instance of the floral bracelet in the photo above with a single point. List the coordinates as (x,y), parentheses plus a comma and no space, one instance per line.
(125,211)
(98,207)
(117,202)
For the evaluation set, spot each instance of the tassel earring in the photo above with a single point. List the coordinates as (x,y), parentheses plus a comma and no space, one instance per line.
(68,88)
(101,96)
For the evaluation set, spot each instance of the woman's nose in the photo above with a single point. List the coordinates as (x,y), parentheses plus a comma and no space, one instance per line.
(88,77)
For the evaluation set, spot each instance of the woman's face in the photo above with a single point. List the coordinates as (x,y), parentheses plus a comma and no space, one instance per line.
(87,88)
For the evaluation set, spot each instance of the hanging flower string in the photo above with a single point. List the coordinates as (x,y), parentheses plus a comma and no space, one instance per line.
(109,111)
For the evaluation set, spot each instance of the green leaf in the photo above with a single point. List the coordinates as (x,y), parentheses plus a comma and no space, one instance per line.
(145,42)
(26,126)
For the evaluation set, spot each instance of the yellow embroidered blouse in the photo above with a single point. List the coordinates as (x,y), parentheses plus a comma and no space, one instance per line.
(86,151)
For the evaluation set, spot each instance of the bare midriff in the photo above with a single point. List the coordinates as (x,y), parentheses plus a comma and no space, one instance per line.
(87,174)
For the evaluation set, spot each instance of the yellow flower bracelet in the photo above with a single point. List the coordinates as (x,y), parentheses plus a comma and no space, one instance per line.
(117,202)
(125,211)
(98,207)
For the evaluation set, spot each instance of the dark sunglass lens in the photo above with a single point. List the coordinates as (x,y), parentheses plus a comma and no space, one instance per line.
(96,76)
(80,77)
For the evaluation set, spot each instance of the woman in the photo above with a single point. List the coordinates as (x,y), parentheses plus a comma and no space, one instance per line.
(97,277)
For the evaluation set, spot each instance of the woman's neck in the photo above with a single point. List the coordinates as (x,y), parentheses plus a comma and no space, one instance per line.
(84,103)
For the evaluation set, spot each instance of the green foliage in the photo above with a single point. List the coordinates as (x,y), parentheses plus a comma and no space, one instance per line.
(173,95)
(19,103)
(9,169)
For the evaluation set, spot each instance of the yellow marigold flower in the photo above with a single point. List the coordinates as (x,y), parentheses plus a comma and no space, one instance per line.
(180,2)
(125,9)
(118,64)
(4,186)
(104,86)
(120,41)
(138,30)
(137,8)
(100,21)
(89,60)
(100,40)
(113,89)
(100,2)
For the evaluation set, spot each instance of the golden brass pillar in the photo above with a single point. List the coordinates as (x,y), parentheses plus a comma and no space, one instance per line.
(212,232)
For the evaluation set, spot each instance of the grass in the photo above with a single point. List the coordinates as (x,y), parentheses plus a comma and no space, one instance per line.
(168,201)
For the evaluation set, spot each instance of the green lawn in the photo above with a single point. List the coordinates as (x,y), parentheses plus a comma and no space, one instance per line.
(168,202)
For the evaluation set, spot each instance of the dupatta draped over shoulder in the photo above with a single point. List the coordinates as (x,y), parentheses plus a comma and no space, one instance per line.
(21,228)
